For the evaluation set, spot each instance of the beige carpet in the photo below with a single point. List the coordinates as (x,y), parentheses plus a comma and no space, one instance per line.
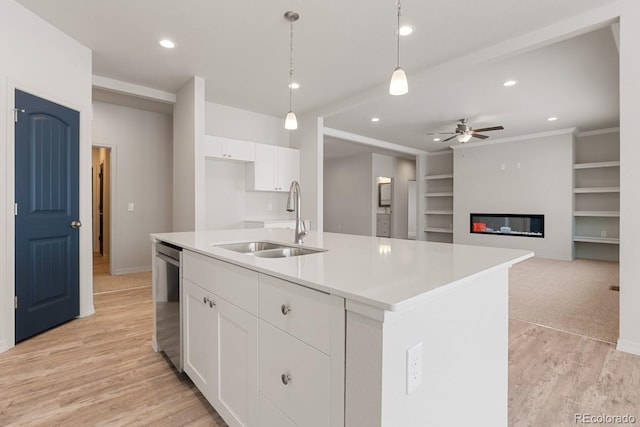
(572,296)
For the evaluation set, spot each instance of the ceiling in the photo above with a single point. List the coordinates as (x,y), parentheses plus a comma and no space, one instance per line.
(343,49)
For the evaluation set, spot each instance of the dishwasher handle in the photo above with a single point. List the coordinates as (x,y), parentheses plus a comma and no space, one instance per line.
(168,259)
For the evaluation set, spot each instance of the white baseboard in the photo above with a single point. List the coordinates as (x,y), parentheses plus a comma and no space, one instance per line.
(628,347)
(4,346)
(122,271)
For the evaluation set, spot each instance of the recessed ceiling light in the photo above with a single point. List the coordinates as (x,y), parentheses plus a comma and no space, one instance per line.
(509,83)
(552,119)
(375,119)
(167,43)
(294,85)
(405,30)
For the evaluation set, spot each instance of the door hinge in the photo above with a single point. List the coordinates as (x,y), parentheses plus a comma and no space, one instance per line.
(15,113)
(15,209)
(15,302)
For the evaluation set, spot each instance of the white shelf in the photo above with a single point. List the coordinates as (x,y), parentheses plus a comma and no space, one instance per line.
(443,176)
(444,194)
(595,165)
(597,213)
(439,230)
(585,190)
(434,212)
(589,239)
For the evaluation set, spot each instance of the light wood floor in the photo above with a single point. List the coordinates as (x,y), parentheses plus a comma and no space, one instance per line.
(100,370)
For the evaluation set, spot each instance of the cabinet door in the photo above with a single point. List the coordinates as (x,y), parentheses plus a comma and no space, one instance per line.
(213,147)
(265,168)
(236,372)
(288,167)
(240,151)
(198,328)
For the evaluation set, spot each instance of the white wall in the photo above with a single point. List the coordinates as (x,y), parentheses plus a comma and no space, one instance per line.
(403,171)
(39,59)
(188,164)
(142,143)
(348,200)
(227,202)
(543,184)
(629,178)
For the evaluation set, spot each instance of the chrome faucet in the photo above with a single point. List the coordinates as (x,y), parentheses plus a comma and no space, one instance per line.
(293,204)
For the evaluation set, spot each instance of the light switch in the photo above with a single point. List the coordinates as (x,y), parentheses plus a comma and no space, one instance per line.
(130,207)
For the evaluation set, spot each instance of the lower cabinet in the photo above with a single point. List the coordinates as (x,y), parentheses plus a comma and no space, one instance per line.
(221,354)
(273,357)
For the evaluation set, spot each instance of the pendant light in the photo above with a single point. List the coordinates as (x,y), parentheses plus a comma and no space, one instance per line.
(399,84)
(291,122)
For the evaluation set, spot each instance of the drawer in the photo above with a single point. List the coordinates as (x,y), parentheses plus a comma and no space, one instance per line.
(270,416)
(306,313)
(305,398)
(235,284)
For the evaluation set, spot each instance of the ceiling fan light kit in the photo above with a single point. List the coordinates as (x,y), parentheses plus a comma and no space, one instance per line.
(463,132)
(291,121)
(399,84)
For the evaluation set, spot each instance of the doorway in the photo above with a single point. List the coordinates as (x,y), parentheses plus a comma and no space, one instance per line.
(101,209)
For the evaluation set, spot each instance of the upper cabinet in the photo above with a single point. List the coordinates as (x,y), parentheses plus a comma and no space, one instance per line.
(274,168)
(229,149)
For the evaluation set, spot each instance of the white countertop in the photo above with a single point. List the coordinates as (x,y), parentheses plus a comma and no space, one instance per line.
(392,274)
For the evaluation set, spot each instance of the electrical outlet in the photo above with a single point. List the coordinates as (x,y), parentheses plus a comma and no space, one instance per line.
(269,207)
(518,165)
(503,167)
(130,207)
(603,233)
(414,367)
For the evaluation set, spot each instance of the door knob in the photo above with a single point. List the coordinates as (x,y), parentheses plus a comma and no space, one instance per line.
(76,224)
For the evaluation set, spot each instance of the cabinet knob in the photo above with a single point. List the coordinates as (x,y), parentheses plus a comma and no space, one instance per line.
(285,309)
(205,300)
(286,379)
(211,303)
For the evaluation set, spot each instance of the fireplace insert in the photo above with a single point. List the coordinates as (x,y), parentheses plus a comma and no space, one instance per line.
(507,224)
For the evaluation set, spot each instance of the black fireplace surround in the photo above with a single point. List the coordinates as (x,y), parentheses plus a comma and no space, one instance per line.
(507,224)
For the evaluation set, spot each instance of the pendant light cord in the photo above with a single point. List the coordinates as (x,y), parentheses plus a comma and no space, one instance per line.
(290,60)
(398,38)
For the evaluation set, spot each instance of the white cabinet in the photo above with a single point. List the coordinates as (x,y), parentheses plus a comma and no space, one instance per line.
(220,338)
(274,168)
(263,351)
(229,149)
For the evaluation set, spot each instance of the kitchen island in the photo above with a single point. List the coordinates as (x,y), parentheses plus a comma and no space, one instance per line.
(369,332)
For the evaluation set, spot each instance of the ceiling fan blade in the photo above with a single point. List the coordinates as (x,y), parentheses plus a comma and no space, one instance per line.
(440,133)
(489,129)
(475,135)
(449,139)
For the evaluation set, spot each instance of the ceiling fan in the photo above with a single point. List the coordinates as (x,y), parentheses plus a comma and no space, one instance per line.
(464,132)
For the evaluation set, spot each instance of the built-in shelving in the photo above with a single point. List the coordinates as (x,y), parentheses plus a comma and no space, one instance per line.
(596,165)
(438,197)
(441,176)
(591,239)
(596,216)
(442,194)
(439,230)
(584,190)
(434,212)
(611,214)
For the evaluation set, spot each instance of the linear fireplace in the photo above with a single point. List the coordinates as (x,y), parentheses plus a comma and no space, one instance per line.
(507,224)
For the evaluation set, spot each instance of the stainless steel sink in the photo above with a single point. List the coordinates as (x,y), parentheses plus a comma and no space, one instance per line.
(269,249)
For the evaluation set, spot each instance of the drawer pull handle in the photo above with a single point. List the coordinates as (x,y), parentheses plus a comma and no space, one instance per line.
(285,309)
(286,379)
(211,303)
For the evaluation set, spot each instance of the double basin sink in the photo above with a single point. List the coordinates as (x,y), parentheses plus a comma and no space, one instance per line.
(269,249)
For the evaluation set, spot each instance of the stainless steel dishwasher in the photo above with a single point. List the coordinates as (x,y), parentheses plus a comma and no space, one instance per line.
(168,294)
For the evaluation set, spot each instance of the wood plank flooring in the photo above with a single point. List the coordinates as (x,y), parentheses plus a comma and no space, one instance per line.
(101,370)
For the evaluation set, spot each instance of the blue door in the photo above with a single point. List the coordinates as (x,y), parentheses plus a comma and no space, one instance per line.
(47,214)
